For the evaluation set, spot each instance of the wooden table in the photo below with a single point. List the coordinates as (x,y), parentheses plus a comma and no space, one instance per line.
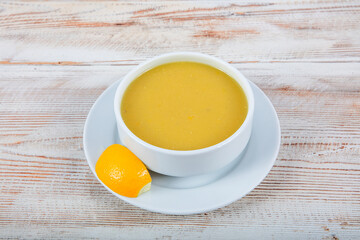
(56,58)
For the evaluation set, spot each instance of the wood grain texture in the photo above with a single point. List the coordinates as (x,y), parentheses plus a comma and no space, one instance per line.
(56,58)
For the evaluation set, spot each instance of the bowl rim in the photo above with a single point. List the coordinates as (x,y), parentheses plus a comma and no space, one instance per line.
(193,57)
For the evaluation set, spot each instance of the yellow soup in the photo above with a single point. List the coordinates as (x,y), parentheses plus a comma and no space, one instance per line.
(184,106)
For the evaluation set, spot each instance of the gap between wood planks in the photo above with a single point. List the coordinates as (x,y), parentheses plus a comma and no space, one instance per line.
(136,62)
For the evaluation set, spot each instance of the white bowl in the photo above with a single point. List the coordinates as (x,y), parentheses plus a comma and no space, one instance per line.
(192,162)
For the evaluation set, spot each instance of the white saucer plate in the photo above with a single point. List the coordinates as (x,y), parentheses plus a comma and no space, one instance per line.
(100,132)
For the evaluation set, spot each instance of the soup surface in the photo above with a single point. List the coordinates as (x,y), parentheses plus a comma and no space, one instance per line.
(184,106)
